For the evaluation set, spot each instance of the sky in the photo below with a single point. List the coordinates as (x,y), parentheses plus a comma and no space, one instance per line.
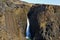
(52,2)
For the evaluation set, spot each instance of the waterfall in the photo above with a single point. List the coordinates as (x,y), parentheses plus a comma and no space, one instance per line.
(28,29)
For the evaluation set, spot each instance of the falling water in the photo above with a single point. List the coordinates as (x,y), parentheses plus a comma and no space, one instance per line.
(28,30)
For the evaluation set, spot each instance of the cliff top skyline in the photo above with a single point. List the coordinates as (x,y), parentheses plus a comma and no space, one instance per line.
(51,2)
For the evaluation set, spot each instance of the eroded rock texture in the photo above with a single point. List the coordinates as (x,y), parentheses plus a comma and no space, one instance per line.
(44,20)
(13,15)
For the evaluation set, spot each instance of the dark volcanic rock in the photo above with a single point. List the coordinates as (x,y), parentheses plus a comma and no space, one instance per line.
(44,24)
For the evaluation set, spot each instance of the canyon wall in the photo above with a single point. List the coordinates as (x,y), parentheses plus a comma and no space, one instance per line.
(44,20)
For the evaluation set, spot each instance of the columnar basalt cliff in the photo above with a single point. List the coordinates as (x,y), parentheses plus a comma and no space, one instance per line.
(44,20)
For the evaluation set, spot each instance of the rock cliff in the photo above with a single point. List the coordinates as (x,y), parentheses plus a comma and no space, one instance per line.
(44,20)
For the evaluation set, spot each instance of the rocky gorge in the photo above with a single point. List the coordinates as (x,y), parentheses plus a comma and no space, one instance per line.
(44,20)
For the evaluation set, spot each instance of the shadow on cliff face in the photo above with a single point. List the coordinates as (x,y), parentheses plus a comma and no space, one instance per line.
(34,25)
(44,24)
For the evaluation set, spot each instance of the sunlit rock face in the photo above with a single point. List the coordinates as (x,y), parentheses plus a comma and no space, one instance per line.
(13,16)
(44,22)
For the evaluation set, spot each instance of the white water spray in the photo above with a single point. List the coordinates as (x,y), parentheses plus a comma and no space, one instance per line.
(28,30)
